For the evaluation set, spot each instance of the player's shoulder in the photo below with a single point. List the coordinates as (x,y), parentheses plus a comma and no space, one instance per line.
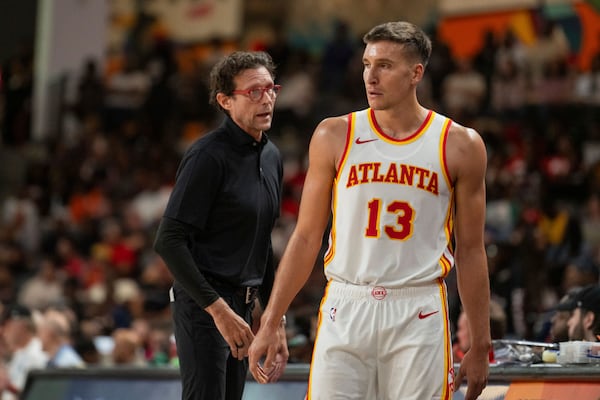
(334,125)
(465,150)
(331,130)
(329,138)
(463,136)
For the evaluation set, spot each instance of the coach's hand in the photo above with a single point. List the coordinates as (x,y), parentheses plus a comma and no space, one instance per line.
(236,332)
(475,368)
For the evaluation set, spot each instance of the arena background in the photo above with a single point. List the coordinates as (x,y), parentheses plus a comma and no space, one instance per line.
(78,171)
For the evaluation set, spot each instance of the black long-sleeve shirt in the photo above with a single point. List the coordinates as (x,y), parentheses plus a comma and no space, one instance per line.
(220,215)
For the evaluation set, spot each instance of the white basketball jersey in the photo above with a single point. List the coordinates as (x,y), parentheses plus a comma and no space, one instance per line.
(392,206)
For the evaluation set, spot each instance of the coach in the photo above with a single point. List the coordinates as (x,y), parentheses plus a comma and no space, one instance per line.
(215,234)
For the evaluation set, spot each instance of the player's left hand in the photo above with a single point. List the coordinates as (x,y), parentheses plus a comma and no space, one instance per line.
(475,369)
(272,345)
(278,369)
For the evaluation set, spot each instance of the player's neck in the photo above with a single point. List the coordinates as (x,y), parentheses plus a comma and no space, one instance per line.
(400,123)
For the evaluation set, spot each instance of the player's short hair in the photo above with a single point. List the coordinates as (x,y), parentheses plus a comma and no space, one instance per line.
(230,66)
(416,42)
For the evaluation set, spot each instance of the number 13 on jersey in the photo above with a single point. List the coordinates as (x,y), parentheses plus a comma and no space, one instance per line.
(403,227)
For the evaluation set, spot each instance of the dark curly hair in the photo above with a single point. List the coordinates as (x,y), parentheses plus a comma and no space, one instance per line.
(224,72)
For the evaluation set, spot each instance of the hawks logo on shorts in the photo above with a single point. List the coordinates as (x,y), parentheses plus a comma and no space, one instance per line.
(379,293)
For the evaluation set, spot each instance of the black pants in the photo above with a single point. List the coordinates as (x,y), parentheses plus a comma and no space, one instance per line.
(208,371)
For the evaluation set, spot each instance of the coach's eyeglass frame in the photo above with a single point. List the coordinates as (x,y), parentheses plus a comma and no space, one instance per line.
(256,94)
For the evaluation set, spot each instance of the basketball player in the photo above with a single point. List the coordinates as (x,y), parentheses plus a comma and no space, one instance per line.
(404,184)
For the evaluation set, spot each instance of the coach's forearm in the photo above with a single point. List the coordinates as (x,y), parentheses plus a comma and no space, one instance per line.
(170,244)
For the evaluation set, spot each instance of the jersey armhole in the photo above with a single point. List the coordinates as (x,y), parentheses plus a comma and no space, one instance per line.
(443,151)
(349,135)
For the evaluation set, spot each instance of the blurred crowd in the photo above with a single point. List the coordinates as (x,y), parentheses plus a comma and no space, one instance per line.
(79,208)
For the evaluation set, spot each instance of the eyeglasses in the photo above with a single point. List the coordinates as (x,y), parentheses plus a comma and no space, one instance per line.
(256,94)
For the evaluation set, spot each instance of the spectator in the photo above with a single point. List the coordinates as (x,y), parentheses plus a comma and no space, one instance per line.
(511,50)
(590,222)
(508,89)
(90,92)
(586,89)
(559,233)
(126,92)
(559,329)
(295,104)
(464,90)
(122,254)
(581,271)
(24,347)
(43,289)
(128,302)
(88,351)
(127,350)
(551,45)
(485,62)
(56,336)
(20,215)
(336,57)
(441,64)
(69,259)
(17,90)
(584,323)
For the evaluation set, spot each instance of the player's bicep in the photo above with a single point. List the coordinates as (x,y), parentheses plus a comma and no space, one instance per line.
(470,193)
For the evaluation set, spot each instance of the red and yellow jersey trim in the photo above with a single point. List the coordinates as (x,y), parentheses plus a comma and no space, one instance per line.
(411,138)
(319,322)
(447,387)
(444,262)
(349,138)
(443,159)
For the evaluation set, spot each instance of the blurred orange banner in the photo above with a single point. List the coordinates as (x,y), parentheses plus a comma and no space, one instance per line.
(553,391)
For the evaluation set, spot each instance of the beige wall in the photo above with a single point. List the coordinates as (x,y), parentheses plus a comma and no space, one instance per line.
(361,15)
(314,17)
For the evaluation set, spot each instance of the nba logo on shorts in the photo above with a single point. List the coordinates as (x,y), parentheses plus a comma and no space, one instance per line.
(332,312)
(379,292)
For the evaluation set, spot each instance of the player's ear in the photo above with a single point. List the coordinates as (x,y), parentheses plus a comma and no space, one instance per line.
(418,71)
